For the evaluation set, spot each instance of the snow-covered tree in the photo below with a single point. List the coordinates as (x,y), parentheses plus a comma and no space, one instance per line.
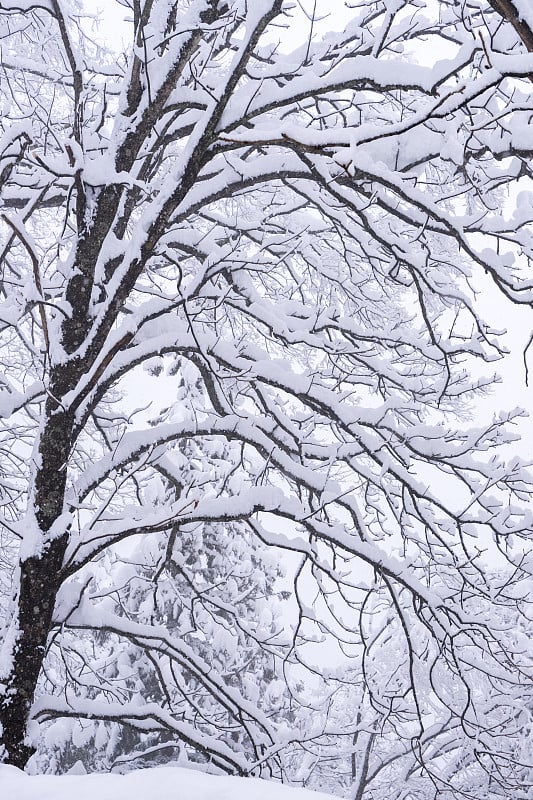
(367,751)
(243,247)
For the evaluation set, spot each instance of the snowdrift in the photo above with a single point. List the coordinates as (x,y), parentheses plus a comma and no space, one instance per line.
(170,783)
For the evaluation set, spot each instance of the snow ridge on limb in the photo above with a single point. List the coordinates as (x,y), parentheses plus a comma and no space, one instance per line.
(147,718)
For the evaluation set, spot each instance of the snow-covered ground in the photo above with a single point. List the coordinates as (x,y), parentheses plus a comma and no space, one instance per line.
(171,783)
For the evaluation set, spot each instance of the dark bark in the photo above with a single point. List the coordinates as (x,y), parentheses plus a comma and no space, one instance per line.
(508,10)
(38,589)
(40,572)
(39,578)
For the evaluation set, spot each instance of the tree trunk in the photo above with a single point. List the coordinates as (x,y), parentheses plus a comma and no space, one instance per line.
(39,580)
(508,10)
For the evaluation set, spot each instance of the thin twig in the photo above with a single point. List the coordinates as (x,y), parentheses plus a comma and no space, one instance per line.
(36,276)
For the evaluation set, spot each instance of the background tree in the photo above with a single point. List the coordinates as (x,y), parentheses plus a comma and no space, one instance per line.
(291,226)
